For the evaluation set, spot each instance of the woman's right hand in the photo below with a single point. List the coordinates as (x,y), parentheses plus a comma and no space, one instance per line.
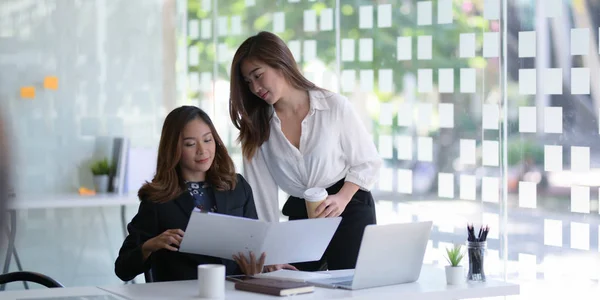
(170,240)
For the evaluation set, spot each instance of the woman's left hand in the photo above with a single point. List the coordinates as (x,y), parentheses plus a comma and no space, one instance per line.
(250,267)
(271,268)
(332,207)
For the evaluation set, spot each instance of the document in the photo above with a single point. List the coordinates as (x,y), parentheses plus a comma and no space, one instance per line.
(283,242)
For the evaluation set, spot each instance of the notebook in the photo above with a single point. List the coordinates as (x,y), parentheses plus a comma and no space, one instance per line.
(274,287)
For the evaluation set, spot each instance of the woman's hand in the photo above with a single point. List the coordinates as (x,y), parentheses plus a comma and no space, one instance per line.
(250,267)
(170,240)
(271,268)
(333,206)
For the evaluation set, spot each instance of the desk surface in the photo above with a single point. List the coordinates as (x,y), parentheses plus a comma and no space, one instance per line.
(66,293)
(71,200)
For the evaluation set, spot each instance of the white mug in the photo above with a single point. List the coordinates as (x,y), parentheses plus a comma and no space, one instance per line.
(211,281)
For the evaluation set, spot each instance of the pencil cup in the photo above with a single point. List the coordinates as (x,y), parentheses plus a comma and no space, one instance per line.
(211,281)
(476,252)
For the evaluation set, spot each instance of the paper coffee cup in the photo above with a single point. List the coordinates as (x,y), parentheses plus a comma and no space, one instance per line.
(313,198)
(211,281)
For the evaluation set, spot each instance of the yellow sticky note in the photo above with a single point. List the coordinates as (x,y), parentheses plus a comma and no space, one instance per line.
(51,82)
(28,92)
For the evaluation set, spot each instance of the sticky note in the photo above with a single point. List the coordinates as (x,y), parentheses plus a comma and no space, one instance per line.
(326,19)
(445,185)
(424,47)
(365,17)
(493,220)
(250,3)
(206,81)
(468,189)
(348,80)
(194,29)
(222,26)
(580,199)
(206,29)
(347,50)
(425,112)
(553,233)
(236,25)
(386,113)
(527,266)
(193,56)
(404,147)
(278,22)
(580,41)
(527,82)
(425,148)
(446,115)
(553,8)
(527,194)
(553,158)
(194,81)
(310,50)
(310,20)
(491,116)
(553,119)
(385,146)
(490,189)
(446,80)
(580,159)
(527,119)
(580,81)
(405,114)
(294,46)
(385,181)
(424,12)
(580,236)
(365,50)
(51,82)
(467,45)
(491,153)
(384,15)
(445,12)
(468,154)
(366,80)
(386,82)
(405,181)
(552,79)
(223,51)
(28,92)
(468,80)
(424,80)
(293,1)
(206,5)
(491,44)
(404,48)
(491,9)
(527,44)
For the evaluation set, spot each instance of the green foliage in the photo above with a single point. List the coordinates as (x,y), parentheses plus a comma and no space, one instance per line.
(520,151)
(454,255)
(101,167)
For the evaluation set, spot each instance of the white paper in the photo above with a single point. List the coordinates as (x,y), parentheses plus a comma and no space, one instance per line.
(294,46)
(385,146)
(491,9)
(326,19)
(425,148)
(527,119)
(424,47)
(386,84)
(194,29)
(404,48)
(384,15)
(405,181)
(553,119)
(194,81)
(348,80)
(278,22)
(405,114)
(366,80)
(468,190)
(580,199)
(292,275)
(445,185)
(553,81)
(222,28)
(206,29)
(527,194)
(285,242)
(468,80)
(446,115)
(553,233)
(347,50)
(365,17)
(553,158)
(236,25)
(193,56)
(580,159)
(310,20)
(138,169)
(491,44)
(490,189)
(404,147)
(580,81)
(424,12)
(580,41)
(467,45)
(491,153)
(424,80)
(491,116)
(365,50)
(424,116)
(468,152)
(527,82)
(553,8)
(445,12)
(527,44)
(446,80)
(580,236)
(310,50)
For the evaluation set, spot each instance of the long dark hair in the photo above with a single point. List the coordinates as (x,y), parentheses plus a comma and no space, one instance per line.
(168,183)
(250,114)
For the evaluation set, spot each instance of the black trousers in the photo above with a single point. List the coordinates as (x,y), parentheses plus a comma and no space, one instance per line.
(342,251)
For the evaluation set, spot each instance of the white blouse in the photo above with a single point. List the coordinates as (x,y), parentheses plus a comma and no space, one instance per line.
(334,144)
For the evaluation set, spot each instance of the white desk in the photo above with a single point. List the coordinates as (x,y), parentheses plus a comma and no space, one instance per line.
(54,293)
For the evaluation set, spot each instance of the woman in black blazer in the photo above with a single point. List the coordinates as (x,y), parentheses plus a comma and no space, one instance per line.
(194,171)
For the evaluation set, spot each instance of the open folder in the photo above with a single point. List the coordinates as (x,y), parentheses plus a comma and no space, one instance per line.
(283,242)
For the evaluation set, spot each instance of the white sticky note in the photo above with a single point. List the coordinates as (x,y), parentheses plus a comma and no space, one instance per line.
(490,189)
(384,15)
(553,8)
(405,181)
(491,44)
(553,119)
(446,115)
(467,45)
(491,116)
(527,266)
(206,5)
(193,29)
(347,50)
(468,80)
(527,194)
(310,20)
(553,158)
(194,81)
(278,22)
(293,1)
(446,80)
(223,51)
(493,220)
(580,159)
(580,236)
(250,3)
(424,80)
(527,119)
(405,114)
(580,41)
(491,9)
(326,19)
(193,56)
(236,25)
(365,17)
(527,82)
(404,48)
(491,153)
(386,183)
(206,29)
(424,47)
(404,147)
(424,114)
(424,12)
(222,27)
(348,78)
(425,148)
(446,185)
(385,146)
(468,152)
(552,79)
(366,80)
(310,50)
(386,82)
(445,12)
(553,233)
(468,187)
(527,44)
(580,81)
(294,46)
(580,199)
(386,113)
(206,81)
(365,49)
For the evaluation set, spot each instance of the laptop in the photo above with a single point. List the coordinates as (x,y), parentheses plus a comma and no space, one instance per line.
(389,254)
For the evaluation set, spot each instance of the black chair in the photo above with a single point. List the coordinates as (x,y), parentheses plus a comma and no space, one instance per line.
(26,276)
(148,276)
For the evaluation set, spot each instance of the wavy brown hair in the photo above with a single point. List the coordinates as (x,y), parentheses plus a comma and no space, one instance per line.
(168,182)
(250,114)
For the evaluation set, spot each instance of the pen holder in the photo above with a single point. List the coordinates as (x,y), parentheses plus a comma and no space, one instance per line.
(476,252)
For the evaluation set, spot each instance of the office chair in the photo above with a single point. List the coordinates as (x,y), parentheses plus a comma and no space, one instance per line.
(27,276)
(148,276)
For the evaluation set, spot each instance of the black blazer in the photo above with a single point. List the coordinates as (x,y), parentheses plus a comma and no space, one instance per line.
(153,219)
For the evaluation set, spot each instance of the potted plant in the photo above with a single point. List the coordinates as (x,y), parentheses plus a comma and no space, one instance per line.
(101,170)
(454,272)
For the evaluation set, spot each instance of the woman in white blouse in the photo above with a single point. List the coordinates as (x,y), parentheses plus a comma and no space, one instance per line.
(296,136)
